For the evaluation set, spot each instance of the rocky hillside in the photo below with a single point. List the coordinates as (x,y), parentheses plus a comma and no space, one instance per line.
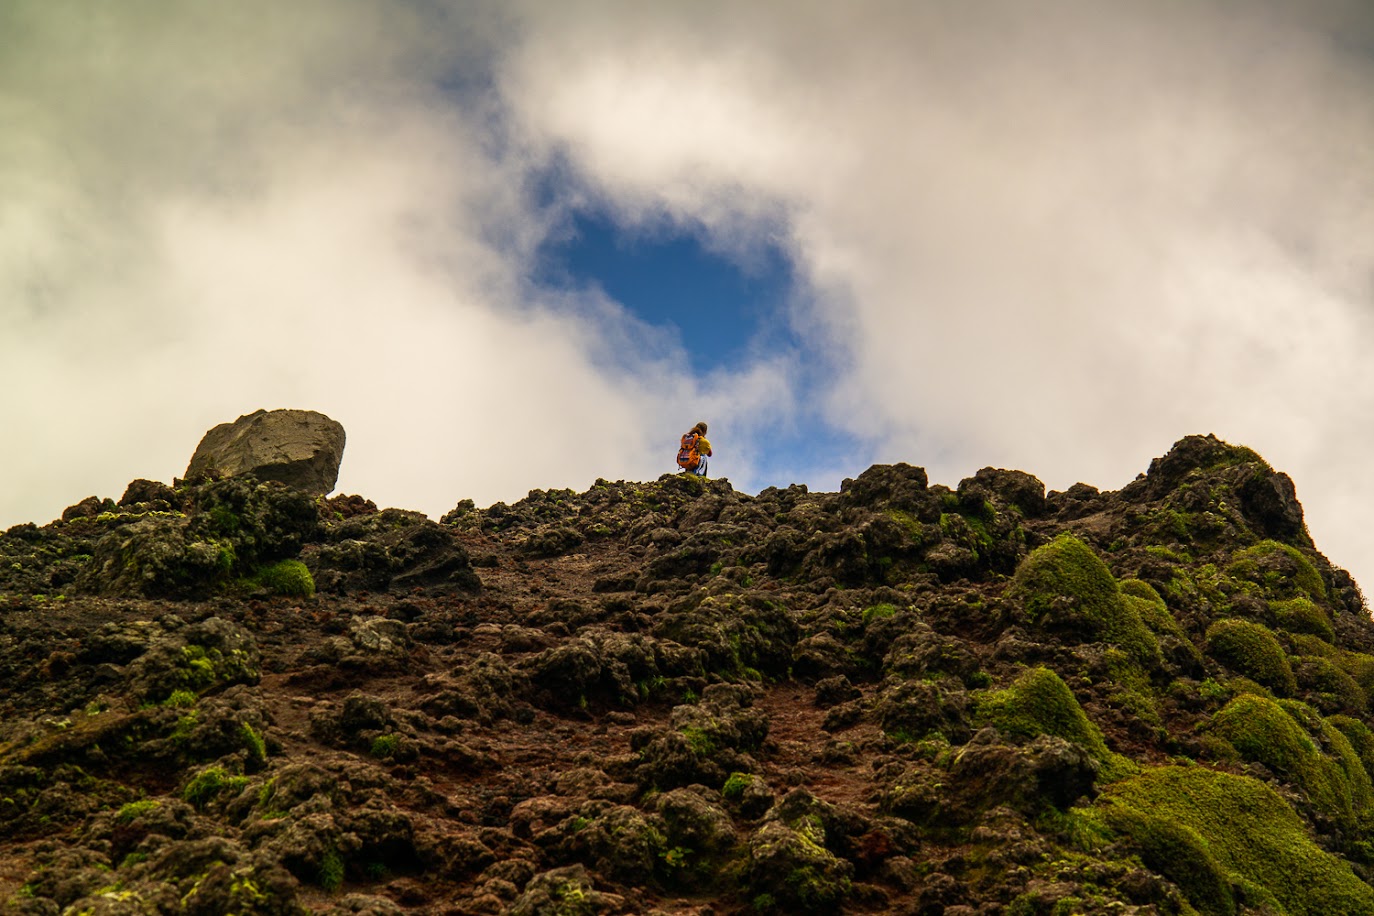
(669,697)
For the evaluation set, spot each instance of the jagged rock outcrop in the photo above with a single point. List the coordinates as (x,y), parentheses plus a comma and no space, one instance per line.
(662,697)
(300,448)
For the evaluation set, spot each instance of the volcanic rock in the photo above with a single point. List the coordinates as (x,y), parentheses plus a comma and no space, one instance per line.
(668,697)
(300,448)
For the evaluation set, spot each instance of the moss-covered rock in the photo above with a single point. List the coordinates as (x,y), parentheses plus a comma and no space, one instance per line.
(1065,589)
(1328,687)
(1243,829)
(199,658)
(287,578)
(791,871)
(1040,703)
(1301,615)
(230,528)
(1250,649)
(1279,570)
(737,634)
(1178,852)
(699,838)
(1311,755)
(1359,735)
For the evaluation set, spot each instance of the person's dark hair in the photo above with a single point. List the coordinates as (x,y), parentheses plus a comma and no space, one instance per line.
(700,428)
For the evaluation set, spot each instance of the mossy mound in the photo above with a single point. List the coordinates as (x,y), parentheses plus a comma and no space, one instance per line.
(1178,852)
(1279,570)
(1300,615)
(1282,738)
(1040,703)
(1250,649)
(1359,735)
(1067,590)
(1327,686)
(1242,828)
(288,578)
(1149,607)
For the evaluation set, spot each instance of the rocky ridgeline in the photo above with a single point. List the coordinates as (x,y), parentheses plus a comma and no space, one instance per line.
(230,696)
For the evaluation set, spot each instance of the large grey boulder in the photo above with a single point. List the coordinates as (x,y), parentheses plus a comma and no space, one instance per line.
(300,448)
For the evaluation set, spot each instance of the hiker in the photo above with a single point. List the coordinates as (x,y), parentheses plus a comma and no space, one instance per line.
(694,450)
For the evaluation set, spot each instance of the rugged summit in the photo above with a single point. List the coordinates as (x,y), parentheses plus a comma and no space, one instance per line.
(300,448)
(669,697)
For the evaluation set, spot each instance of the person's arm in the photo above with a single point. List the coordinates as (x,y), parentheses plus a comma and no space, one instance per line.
(704,446)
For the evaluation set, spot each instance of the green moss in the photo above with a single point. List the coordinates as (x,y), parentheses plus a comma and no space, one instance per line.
(135,809)
(254,743)
(1360,667)
(1040,703)
(699,740)
(1242,828)
(331,871)
(1281,736)
(1279,569)
(878,612)
(1250,649)
(209,783)
(1334,690)
(1300,615)
(1065,588)
(384,746)
(909,523)
(186,725)
(1135,693)
(1307,644)
(180,699)
(734,786)
(1150,607)
(1176,851)
(1360,737)
(200,672)
(288,578)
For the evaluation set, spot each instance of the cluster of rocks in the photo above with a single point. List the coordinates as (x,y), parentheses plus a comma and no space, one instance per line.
(233,694)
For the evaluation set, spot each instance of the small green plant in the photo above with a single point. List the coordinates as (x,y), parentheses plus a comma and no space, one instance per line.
(878,612)
(676,857)
(209,784)
(978,680)
(256,746)
(135,809)
(180,699)
(699,741)
(331,871)
(185,726)
(384,746)
(734,786)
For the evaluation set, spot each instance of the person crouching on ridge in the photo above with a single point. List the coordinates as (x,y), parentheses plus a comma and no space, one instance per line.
(694,450)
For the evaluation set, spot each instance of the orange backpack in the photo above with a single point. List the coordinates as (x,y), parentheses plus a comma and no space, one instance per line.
(687,456)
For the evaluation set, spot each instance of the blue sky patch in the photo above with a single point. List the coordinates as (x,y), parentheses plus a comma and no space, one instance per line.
(719,306)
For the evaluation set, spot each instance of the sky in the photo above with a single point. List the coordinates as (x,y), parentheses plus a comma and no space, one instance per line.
(517,245)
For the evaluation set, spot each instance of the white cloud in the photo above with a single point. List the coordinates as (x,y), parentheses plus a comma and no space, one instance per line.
(1054,237)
